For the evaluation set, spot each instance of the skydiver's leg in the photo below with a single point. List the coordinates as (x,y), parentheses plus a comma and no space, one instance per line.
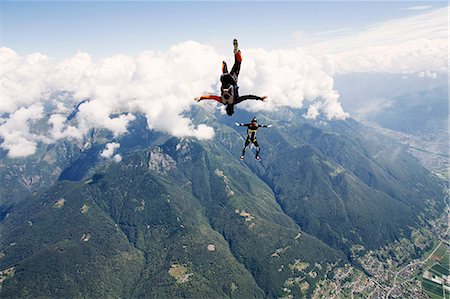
(224,67)
(237,61)
(236,66)
(247,142)
(255,142)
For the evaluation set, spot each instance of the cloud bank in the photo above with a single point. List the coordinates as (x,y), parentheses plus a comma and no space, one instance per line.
(409,45)
(418,7)
(161,85)
(290,78)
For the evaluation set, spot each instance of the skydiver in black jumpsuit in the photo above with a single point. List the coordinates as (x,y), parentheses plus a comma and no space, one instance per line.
(229,94)
(252,128)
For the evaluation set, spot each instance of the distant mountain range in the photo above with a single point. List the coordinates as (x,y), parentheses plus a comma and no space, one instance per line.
(424,112)
(187,218)
(366,94)
(410,108)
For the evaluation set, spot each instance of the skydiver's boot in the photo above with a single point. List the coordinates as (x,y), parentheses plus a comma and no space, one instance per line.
(243,153)
(237,53)
(257,154)
(235,46)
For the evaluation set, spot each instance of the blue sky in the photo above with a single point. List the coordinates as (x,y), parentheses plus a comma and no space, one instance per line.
(59,29)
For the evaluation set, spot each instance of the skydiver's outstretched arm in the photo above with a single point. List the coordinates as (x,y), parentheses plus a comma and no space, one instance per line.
(241,125)
(246,125)
(209,97)
(250,97)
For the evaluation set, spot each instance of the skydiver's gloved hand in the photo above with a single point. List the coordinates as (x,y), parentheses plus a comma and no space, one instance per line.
(263,98)
(197,99)
(238,124)
(269,126)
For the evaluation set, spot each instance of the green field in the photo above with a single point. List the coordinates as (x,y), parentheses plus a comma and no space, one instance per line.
(439,270)
(446,260)
(433,289)
(444,253)
(441,252)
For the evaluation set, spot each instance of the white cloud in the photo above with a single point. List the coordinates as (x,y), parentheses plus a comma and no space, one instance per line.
(161,85)
(18,139)
(408,45)
(117,158)
(23,79)
(109,150)
(60,130)
(418,7)
(313,111)
(427,74)
(289,77)
(411,57)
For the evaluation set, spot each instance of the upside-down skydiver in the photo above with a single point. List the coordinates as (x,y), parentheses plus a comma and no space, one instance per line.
(229,94)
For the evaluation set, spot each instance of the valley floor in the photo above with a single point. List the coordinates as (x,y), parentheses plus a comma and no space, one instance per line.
(430,149)
(393,271)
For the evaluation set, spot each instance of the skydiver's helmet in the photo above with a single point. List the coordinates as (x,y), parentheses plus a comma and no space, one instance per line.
(230,109)
(254,121)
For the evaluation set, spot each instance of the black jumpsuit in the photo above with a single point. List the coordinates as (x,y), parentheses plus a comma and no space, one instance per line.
(229,91)
(230,80)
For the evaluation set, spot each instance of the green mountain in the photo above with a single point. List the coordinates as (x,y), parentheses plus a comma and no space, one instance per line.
(63,160)
(172,221)
(184,218)
(347,185)
(20,177)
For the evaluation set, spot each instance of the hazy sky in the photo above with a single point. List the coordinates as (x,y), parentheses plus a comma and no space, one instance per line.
(60,29)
